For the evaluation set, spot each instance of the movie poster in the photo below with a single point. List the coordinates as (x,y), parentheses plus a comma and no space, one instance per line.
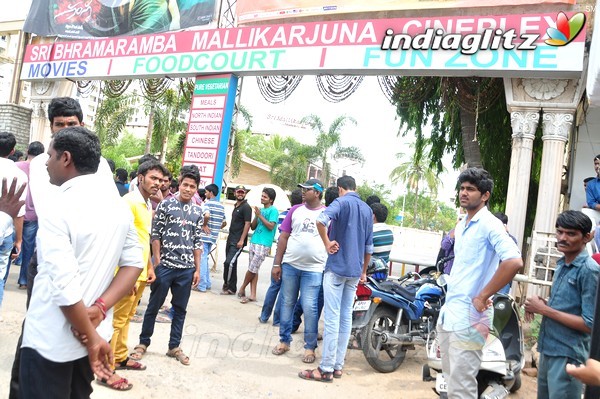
(252,11)
(84,19)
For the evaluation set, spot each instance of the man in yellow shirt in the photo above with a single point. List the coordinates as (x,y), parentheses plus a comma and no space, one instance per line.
(150,175)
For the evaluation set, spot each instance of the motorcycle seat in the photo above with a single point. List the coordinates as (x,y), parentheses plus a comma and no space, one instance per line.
(392,287)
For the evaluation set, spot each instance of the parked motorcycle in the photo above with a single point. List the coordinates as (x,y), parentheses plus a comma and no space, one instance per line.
(502,358)
(391,316)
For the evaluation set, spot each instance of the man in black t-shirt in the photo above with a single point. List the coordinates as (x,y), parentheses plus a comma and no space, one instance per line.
(176,249)
(237,239)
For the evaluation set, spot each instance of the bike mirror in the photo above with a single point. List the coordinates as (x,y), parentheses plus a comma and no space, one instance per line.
(441,280)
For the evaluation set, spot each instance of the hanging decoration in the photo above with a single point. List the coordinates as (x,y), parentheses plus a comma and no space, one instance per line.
(336,88)
(477,94)
(153,89)
(85,87)
(387,83)
(276,89)
(115,88)
(413,89)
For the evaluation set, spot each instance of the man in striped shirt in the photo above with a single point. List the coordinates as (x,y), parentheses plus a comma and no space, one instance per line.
(214,220)
(383,236)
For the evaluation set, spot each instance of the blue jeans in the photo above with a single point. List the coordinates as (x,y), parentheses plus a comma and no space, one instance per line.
(204,273)
(272,299)
(4,272)
(293,281)
(298,310)
(180,283)
(338,293)
(5,249)
(30,229)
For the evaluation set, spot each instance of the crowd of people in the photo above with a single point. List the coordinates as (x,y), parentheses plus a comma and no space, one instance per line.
(86,266)
(86,261)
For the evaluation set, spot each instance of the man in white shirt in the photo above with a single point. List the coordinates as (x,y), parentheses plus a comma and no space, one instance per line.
(9,170)
(10,204)
(79,244)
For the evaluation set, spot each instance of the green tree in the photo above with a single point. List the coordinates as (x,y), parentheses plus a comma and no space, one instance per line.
(239,140)
(290,166)
(416,172)
(112,115)
(167,120)
(128,146)
(329,143)
(468,119)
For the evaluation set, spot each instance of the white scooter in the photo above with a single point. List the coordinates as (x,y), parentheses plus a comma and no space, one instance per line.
(502,359)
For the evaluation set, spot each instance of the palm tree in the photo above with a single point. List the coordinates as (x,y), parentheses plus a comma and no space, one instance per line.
(415,171)
(291,164)
(329,143)
(238,140)
(112,116)
(166,120)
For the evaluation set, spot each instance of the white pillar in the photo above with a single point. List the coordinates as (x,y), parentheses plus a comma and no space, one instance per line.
(524,122)
(557,125)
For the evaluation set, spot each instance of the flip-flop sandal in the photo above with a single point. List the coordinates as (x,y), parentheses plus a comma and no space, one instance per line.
(280,349)
(310,375)
(163,319)
(135,366)
(337,373)
(309,357)
(241,295)
(120,385)
(138,352)
(177,353)
(246,300)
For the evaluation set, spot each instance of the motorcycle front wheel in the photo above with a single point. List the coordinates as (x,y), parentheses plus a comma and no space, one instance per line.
(384,357)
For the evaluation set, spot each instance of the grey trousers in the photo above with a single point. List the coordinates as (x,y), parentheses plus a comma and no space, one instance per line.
(461,357)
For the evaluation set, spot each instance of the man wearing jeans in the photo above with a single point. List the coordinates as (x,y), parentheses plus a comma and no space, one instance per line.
(299,263)
(212,222)
(349,243)
(486,259)
(30,223)
(9,170)
(176,250)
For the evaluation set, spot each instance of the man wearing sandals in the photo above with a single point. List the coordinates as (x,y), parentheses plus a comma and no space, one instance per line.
(79,244)
(349,243)
(299,263)
(263,224)
(176,248)
(149,175)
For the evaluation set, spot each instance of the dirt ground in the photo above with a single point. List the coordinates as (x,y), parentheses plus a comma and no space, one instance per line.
(230,354)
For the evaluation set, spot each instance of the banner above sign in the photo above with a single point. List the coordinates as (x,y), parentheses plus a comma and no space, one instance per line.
(254,11)
(101,18)
(506,45)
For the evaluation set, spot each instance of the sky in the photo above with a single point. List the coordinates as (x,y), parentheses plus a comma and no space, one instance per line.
(376,132)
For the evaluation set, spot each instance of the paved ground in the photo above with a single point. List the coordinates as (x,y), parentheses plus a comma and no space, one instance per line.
(231,356)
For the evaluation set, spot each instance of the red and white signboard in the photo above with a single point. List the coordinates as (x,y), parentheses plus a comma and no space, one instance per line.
(209,126)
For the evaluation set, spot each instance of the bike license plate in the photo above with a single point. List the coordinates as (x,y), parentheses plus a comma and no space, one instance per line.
(440,383)
(362,305)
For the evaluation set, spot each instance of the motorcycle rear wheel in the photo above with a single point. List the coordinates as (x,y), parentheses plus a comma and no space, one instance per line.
(383,357)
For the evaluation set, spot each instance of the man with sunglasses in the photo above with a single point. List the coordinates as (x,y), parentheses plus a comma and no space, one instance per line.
(237,239)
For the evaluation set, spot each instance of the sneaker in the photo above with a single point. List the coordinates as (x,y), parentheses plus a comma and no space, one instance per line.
(262,321)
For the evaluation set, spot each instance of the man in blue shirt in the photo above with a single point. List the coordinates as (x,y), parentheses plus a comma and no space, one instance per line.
(349,244)
(486,259)
(568,315)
